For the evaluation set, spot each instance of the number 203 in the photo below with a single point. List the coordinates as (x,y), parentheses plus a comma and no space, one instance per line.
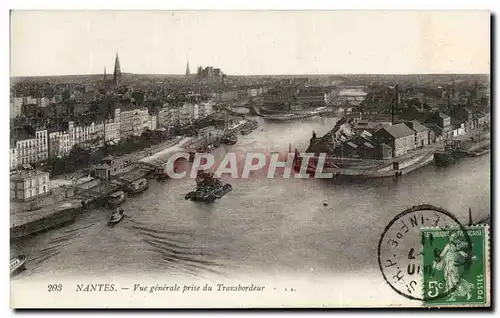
(54,287)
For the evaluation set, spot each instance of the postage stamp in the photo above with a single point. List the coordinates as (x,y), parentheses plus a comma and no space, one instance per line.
(455,266)
(400,249)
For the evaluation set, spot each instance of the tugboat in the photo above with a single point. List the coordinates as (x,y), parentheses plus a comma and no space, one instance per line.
(138,186)
(17,264)
(208,188)
(116,217)
(117,198)
(229,139)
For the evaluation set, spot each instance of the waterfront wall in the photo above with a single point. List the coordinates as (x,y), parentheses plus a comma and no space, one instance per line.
(411,161)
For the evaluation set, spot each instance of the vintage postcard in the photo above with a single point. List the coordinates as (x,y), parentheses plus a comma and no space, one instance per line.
(250,159)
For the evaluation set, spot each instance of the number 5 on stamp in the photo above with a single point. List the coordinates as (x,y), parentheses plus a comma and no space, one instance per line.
(455,266)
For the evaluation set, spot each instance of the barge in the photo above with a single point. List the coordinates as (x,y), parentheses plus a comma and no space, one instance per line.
(208,188)
(36,223)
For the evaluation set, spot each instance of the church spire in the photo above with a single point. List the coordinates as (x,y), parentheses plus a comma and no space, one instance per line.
(188,73)
(117,74)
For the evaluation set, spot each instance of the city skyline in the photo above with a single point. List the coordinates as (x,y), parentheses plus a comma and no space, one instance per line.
(283,43)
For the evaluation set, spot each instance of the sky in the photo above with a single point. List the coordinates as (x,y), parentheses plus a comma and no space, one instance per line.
(250,42)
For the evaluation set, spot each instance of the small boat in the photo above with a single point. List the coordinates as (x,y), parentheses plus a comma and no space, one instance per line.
(229,139)
(17,263)
(160,174)
(138,186)
(116,217)
(117,198)
(325,203)
(249,127)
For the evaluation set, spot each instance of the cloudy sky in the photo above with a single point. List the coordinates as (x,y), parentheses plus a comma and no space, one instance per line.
(250,42)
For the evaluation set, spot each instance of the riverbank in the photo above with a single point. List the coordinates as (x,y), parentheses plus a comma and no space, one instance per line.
(88,190)
(411,161)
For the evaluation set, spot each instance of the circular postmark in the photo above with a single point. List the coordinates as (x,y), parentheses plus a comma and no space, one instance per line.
(407,255)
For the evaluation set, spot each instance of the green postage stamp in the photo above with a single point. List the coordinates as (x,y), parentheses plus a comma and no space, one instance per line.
(455,266)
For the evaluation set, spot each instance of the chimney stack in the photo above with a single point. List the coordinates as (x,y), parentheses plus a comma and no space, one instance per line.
(395,103)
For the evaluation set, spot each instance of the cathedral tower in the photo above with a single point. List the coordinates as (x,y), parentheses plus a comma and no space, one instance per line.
(117,74)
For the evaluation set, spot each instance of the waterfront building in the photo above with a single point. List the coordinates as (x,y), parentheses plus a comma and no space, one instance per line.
(14,162)
(110,166)
(399,136)
(187,113)
(80,134)
(59,144)
(152,125)
(464,115)
(443,122)
(166,117)
(421,133)
(28,185)
(126,123)
(363,146)
(368,125)
(32,145)
(112,130)
(311,97)
(141,121)
(134,122)
(280,96)
(343,131)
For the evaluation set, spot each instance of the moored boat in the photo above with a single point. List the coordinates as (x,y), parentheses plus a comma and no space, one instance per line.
(161,174)
(117,198)
(17,263)
(229,139)
(45,220)
(249,127)
(138,186)
(116,217)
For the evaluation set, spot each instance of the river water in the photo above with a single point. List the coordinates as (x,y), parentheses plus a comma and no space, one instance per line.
(264,225)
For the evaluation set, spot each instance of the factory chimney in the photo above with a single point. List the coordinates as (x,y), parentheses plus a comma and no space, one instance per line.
(395,101)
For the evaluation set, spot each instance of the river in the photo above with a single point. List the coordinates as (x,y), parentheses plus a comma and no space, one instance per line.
(263,225)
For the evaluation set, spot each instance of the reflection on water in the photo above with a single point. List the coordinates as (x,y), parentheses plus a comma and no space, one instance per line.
(271,225)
